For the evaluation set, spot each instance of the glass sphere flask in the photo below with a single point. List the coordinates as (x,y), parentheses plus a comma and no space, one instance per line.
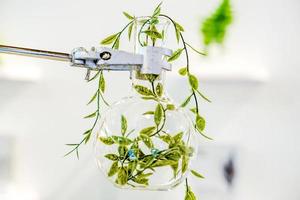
(145,141)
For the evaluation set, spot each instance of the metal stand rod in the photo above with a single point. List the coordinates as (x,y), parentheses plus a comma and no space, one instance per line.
(51,55)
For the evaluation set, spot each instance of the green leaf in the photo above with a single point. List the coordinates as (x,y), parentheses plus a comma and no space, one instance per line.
(153,34)
(110,39)
(122,177)
(130,17)
(154,21)
(121,140)
(166,138)
(163,34)
(176,54)
(156,11)
(214,27)
(200,122)
(187,100)
(158,114)
(185,150)
(112,157)
(195,50)
(150,77)
(159,89)
(148,113)
(197,174)
(94,114)
(102,83)
(143,90)
(182,71)
(93,98)
(200,126)
(116,45)
(143,21)
(179,27)
(178,34)
(106,140)
(150,98)
(204,97)
(193,110)
(189,195)
(175,169)
(122,150)
(193,81)
(130,30)
(147,140)
(178,30)
(146,161)
(145,43)
(113,169)
(162,163)
(173,155)
(142,178)
(132,166)
(87,137)
(72,144)
(201,133)
(142,181)
(88,132)
(123,125)
(178,137)
(170,107)
(148,131)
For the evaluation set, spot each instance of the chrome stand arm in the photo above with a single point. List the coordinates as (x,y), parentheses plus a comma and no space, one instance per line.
(35,53)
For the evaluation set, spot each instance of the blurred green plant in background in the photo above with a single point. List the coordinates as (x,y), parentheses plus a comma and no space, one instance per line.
(215,26)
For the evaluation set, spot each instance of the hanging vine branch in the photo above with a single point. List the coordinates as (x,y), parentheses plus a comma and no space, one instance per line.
(97,97)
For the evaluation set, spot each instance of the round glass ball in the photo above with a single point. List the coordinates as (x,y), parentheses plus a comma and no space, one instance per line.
(145,144)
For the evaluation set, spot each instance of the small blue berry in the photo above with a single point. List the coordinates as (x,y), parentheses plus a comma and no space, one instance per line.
(131,155)
(154,152)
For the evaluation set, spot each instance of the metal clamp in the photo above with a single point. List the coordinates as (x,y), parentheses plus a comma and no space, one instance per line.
(151,61)
(154,60)
(106,59)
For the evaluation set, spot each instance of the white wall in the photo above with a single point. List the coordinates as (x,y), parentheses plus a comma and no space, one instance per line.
(258,116)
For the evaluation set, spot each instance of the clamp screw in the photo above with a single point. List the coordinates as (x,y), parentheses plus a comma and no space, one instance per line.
(105,55)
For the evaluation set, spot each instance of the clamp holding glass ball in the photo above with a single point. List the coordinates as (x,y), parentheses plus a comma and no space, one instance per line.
(148,138)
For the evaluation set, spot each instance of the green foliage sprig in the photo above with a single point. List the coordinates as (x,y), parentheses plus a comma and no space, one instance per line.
(214,27)
(130,164)
(97,97)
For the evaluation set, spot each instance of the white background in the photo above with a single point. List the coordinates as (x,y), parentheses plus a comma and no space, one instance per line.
(253,81)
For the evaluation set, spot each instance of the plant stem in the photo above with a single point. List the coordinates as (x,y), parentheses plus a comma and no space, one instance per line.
(186,184)
(120,33)
(152,86)
(140,31)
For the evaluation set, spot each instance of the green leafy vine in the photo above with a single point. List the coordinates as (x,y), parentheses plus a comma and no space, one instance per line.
(97,97)
(130,165)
